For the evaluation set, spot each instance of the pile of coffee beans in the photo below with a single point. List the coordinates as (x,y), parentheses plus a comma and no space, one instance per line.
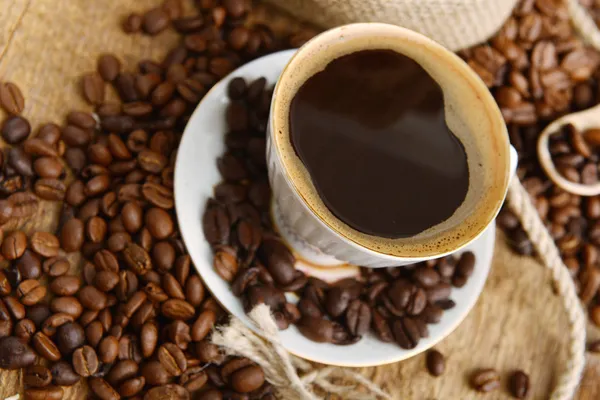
(134,317)
(575,154)
(538,69)
(395,303)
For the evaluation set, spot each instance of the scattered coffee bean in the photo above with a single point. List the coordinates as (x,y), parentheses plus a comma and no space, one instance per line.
(15,129)
(436,363)
(519,384)
(11,98)
(485,380)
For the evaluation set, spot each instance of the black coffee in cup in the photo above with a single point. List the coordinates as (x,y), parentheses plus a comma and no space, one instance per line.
(370,129)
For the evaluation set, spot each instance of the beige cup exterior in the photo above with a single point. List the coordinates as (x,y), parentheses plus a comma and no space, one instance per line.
(302,224)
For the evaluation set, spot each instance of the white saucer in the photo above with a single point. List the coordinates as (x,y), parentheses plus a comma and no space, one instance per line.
(195,175)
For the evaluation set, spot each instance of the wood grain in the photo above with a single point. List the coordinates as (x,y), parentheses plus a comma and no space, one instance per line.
(517,323)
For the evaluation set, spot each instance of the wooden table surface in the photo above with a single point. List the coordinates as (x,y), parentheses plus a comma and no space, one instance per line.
(517,323)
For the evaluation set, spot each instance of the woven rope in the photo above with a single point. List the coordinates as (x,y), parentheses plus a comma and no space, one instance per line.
(456,24)
(520,203)
(583,22)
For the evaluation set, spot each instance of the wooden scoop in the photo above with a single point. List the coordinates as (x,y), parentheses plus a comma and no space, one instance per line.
(582,120)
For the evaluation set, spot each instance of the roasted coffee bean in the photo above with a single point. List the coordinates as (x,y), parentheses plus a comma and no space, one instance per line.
(177,309)
(108,67)
(216,225)
(63,374)
(72,235)
(66,305)
(66,285)
(194,290)
(149,338)
(155,21)
(48,167)
(159,223)
(24,204)
(106,261)
(268,295)
(93,88)
(170,391)
(171,287)
(337,301)
(102,389)
(29,265)
(519,384)
(132,216)
(279,261)
(172,359)
(55,266)
(24,329)
(248,379)
(144,313)
(37,376)
(15,307)
(69,337)
(137,258)
(485,380)
(45,347)
(131,387)
(203,325)
(50,189)
(121,371)
(154,373)
(163,256)
(436,363)
(108,349)
(317,329)
(14,245)
(15,129)
(15,353)
(106,280)
(134,303)
(11,98)
(358,318)
(91,298)
(93,332)
(85,361)
(45,393)
(30,292)
(225,262)
(45,244)
(5,286)
(406,332)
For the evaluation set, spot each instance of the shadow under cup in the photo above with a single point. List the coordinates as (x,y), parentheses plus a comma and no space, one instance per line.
(471,114)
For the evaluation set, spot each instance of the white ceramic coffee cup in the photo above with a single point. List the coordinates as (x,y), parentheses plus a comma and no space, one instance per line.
(306,223)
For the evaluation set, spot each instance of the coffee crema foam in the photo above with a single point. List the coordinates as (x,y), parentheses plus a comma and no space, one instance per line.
(469,113)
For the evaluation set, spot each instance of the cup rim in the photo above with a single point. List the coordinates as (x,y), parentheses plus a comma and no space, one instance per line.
(476,84)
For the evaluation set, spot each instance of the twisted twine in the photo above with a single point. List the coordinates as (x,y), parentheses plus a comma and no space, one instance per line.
(519,202)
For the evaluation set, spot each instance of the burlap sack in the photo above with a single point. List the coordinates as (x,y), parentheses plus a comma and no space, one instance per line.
(455,24)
